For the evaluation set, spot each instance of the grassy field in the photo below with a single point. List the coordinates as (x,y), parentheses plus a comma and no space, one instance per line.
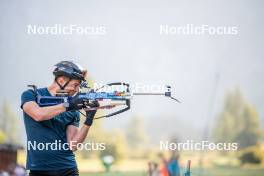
(133,167)
(229,172)
(195,172)
(115,174)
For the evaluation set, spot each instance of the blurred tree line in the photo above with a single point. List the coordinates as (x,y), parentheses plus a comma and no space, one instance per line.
(239,123)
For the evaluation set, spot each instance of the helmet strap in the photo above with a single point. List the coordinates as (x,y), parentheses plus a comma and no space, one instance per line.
(62,87)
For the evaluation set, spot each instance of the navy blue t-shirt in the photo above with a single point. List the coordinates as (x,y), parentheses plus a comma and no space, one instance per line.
(47,147)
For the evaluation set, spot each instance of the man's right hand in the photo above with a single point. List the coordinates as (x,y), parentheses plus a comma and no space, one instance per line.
(75,103)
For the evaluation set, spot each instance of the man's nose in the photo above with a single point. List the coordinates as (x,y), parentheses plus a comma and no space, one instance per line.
(77,88)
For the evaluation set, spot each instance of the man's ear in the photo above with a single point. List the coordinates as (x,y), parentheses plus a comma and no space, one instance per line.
(61,80)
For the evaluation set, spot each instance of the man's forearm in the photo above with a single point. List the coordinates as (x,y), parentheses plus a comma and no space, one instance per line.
(42,113)
(79,137)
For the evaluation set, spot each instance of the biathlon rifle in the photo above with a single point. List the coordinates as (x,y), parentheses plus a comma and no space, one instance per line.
(117,98)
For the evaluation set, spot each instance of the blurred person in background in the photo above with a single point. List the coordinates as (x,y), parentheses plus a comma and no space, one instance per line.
(164,167)
(153,169)
(173,165)
(16,170)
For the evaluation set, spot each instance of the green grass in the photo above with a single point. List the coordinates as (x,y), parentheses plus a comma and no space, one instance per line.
(195,172)
(224,171)
(115,174)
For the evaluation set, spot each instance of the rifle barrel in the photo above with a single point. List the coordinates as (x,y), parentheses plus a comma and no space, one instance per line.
(148,93)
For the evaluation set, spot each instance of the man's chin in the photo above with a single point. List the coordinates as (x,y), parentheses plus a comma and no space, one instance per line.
(72,93)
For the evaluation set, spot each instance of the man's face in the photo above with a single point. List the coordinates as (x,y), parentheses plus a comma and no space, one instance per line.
(72,87)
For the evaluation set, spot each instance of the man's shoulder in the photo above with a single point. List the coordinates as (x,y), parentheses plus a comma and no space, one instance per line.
(43,91)
(39,90)
(30,95)
(27,93)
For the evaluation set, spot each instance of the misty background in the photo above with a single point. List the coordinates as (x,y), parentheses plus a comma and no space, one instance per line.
(200,68)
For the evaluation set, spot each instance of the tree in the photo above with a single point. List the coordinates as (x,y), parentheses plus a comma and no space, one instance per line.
(2,137)
(238,121)
(250,134)
(115,146)
(9,124)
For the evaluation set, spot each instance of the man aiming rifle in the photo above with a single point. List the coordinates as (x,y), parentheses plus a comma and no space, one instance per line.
(51,114)
(56,123)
